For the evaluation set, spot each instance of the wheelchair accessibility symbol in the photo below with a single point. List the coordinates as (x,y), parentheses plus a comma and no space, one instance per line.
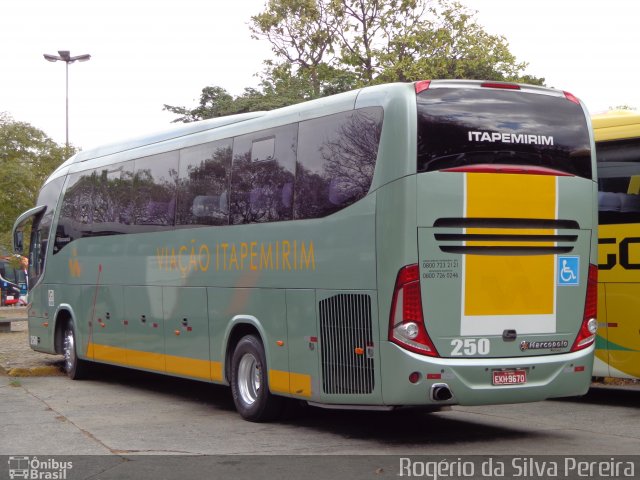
(568,271)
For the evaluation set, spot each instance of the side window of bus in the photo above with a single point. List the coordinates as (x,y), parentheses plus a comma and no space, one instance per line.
(619,181)
(75,213)
(41,227)
(203,184)
(112,197)
(154,187)
(336,159)
(262,176)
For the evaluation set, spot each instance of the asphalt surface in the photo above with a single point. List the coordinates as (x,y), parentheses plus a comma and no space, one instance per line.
(127,424)
(127,412)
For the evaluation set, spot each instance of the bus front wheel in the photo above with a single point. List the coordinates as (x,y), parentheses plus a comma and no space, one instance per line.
(75,368)
(249,382)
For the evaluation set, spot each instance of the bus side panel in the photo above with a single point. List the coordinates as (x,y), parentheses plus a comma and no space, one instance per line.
(396,243)
(145,328)
(40,329)
(186,332)
(396,240)
(101,321)
(349,347)
(265,309)
(302,333)
(623,323)
(619,299)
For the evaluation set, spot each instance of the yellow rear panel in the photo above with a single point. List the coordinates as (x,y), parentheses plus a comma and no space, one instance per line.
(497,288)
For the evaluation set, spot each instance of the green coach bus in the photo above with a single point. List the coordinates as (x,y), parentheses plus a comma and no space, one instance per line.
(414,244)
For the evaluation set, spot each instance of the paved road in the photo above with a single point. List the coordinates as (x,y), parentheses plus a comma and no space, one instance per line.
(124,412)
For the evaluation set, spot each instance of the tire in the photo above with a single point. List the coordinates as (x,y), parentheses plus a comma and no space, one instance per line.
(74,367)
(250,384)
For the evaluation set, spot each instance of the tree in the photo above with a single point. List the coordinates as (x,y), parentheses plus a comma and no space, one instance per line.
(323,47)
(217,102)
(278,87)
(386,40)
(214,102)
(445,41)
(27,157)
(301,32)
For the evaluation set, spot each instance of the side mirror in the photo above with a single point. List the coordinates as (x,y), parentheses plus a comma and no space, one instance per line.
(17,241)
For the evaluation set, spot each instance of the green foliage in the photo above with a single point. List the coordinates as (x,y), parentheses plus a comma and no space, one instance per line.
(214,102)
(301,32)
(386,40)
(279,87)
(446,42)
(27,157)
(323,47)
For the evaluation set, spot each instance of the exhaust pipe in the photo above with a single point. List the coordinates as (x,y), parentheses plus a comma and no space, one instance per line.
(440,392)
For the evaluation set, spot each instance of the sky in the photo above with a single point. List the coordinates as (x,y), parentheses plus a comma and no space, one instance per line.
(147,53)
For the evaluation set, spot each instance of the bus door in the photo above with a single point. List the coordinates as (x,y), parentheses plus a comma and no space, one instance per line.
(505,217)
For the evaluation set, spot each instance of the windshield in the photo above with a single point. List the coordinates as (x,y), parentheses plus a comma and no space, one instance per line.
(471,126)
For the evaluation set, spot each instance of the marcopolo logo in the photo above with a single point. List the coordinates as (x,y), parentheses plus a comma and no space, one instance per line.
(36,469)
(543,345)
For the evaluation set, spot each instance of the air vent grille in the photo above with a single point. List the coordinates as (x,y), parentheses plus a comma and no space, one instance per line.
(346,344)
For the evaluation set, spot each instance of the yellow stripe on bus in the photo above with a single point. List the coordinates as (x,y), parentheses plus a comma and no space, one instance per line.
(189,367)
(293,383)
(106,353)
(509,285)
(279,381)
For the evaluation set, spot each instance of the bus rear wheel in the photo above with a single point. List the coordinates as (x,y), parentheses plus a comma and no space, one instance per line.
(74,367)
(249,382)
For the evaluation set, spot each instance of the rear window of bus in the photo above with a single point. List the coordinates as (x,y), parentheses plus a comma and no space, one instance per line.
(468,126)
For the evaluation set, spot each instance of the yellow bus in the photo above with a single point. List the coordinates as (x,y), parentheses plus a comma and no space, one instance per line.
(617,136)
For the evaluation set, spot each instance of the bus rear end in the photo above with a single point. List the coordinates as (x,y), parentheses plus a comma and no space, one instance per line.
(500,306)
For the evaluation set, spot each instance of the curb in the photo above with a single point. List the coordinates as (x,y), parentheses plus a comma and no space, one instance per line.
(12,319)
(42,371)
(53,370)
(5,323)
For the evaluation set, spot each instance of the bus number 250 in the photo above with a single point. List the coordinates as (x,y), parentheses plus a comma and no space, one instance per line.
(470,346)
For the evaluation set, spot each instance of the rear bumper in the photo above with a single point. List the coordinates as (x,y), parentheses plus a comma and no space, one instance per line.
(470,379)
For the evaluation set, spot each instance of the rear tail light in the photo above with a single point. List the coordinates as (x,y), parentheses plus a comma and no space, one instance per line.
(406,321)
(422,85)
(571,97)
(587,334)
(506,168)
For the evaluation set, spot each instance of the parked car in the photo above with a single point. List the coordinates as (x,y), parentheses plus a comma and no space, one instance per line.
(10,292)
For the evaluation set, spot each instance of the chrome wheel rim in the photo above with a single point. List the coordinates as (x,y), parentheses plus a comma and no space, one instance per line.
(68,349)
(249,380)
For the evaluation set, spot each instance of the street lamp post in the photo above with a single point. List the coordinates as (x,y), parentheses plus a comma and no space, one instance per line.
(64,56)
